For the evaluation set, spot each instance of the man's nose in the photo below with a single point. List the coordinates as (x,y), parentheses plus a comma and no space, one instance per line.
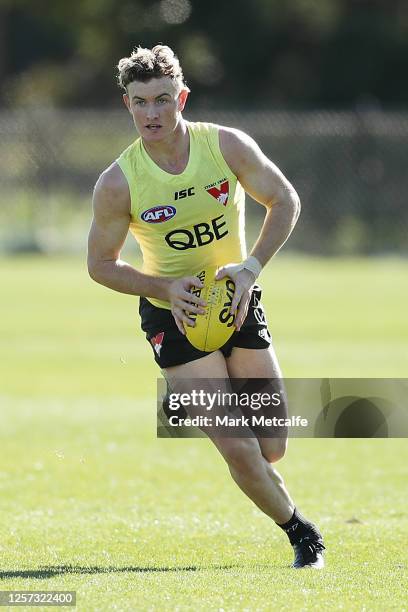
(152,112)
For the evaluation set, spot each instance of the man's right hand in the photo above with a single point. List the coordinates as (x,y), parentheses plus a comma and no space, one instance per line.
(183,302)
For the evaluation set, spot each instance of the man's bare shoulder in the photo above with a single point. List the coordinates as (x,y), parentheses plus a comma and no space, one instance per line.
(113,181)
(111,192)
(238,148)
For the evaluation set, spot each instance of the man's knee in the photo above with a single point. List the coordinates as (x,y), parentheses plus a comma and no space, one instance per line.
(242,455)
(273,449)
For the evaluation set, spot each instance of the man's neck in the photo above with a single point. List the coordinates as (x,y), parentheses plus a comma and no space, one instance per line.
(171,154)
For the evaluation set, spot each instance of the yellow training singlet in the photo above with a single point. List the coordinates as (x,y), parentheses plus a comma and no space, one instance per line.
(184,222)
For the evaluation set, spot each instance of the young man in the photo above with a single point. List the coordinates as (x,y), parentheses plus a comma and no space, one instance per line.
(180,189)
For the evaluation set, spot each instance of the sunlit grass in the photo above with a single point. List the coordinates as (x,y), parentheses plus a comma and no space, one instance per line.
(91,501)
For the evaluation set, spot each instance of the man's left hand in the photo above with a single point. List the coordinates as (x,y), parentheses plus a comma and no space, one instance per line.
(244,281)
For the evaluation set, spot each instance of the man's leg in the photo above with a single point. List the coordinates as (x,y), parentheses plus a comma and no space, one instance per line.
(263,363)
(246,460)
(249,468)
(303,535)
(259,363)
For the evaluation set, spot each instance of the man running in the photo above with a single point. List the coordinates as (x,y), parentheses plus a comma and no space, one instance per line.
(180,189)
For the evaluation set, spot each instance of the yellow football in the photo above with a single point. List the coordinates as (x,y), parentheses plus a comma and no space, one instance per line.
(216,326)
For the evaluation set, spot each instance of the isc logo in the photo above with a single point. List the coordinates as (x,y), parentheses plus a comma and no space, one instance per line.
(184,193)
(158,214)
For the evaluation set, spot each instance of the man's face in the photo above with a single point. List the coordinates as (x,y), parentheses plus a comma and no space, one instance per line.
(155,107)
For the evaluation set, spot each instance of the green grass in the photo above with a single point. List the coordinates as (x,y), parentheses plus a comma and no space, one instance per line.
(91,501)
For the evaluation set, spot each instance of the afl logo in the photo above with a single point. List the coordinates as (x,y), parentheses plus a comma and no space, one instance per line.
(158,214)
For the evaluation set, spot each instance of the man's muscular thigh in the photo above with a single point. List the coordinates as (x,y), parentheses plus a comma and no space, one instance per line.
(253,364)
(210,374)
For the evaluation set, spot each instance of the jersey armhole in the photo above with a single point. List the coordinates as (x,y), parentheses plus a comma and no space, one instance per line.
(124,164)
(214,141)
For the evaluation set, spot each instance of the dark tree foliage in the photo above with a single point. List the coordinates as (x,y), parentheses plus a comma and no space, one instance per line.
(256,54)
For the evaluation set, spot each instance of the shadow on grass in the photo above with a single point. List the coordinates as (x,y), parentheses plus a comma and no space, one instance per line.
(48,571)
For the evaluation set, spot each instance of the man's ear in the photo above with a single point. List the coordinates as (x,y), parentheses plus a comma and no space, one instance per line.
(182,99)
(126,101)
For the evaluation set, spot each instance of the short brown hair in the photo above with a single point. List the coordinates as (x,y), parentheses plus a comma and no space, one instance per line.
(145,64)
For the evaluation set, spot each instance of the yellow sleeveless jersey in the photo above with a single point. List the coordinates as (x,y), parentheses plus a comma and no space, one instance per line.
(184,222)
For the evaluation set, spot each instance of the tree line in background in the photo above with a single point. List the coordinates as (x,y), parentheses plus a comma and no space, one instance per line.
(244,54)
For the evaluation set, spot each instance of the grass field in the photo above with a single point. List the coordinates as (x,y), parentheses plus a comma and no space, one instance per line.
(91,501)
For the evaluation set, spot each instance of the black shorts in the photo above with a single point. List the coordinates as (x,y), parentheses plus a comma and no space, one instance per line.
(171,348)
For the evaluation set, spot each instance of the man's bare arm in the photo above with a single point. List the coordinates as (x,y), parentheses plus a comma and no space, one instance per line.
(110,225)
(267,185)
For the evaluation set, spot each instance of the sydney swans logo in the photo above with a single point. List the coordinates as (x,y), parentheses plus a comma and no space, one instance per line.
(219,191)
